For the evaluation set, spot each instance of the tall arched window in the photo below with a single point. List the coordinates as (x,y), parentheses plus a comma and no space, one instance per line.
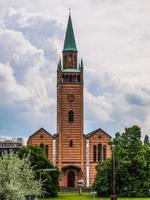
(78,78)
(74,78)
(94,153)
(42,146)
(99,152)
(70,116)
(63,78)
(75,58)
(70,78)
(70,143)
(70,58)
(65,58)
(46,150)
(67,78)
(104,152)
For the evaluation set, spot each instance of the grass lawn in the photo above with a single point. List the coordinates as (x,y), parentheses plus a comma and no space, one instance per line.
(86,196)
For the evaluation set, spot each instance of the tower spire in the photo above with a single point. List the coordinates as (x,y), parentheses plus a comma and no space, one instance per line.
(69,11)
(69,44)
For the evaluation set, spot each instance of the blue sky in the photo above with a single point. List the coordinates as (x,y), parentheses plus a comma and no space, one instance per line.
(113,38)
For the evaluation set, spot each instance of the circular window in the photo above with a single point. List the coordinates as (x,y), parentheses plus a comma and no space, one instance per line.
(71,98)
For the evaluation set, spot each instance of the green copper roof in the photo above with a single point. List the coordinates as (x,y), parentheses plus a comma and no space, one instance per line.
(71,70)
(70,43)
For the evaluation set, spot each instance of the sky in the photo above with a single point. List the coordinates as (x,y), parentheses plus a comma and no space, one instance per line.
(113,38)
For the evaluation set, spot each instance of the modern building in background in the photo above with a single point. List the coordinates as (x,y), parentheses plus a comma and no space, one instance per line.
(7,145)
(75,153)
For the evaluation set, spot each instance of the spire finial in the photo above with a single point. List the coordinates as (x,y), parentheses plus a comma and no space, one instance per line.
(81,62)
(69,11)
(59,64)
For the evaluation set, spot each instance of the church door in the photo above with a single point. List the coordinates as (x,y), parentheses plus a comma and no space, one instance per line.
(71,179)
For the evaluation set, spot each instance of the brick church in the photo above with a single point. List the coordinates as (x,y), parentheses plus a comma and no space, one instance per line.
(73,152)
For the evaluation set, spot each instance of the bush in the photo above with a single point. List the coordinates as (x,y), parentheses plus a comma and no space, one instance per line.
(39,161)
(17,178)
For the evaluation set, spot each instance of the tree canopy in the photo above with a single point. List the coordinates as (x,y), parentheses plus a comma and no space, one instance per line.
(132,158)
(17,178)
(39,162)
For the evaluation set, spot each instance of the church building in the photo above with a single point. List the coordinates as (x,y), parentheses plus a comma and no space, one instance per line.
(76,154)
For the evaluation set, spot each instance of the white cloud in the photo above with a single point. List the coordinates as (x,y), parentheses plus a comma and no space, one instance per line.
(9,89)
(113,37)
(26,77)
(42,31)
(98,107)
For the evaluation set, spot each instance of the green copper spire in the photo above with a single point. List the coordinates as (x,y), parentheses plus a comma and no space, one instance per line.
(69,44)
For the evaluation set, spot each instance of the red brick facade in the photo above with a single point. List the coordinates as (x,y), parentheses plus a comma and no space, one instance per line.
(74,153)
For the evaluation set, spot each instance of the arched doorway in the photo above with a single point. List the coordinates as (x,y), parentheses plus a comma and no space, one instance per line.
(71,179)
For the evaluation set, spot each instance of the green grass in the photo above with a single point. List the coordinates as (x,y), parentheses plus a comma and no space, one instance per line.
(85,196)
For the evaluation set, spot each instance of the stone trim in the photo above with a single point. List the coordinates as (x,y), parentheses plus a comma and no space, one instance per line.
(87,164)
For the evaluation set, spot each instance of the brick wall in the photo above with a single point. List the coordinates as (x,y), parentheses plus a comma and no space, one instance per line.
(42,137)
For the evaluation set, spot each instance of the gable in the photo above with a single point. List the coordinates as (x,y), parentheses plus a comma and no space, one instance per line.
(41,131)
(99,132)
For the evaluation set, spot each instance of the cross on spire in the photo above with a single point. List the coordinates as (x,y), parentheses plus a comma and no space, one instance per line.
(69,11)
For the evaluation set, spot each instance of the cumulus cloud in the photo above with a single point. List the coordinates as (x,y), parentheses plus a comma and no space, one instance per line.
(98,107)
(19,53)
(26,77)
(38,28)
(114,42)
(137,100)
(9,89)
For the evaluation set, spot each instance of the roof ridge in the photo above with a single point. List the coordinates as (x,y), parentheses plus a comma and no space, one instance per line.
(95,131)
(39,130)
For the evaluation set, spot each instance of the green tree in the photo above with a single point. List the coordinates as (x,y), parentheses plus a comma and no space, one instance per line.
(132,166)
(147,157)
(17,178)
(103,177)
(39,162)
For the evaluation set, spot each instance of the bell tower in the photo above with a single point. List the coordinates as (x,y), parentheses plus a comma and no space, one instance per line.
(70,111)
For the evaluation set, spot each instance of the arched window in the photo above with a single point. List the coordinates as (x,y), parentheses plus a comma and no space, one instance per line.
(70,143)
(94,153)
(70,58)
(70,78)
(63,78)
(67,78)
(46,150)
(104,152)
(99,152)
(70,116)
(65,58)
(42,146)
(74,78)
(75,58)
(78,78)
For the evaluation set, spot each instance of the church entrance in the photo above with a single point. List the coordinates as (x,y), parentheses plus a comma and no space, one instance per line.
(71,179)
(70,176)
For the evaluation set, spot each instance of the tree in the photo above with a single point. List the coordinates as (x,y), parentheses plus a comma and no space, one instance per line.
(102,183)
(132,166)
(39,162)
(17,178)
